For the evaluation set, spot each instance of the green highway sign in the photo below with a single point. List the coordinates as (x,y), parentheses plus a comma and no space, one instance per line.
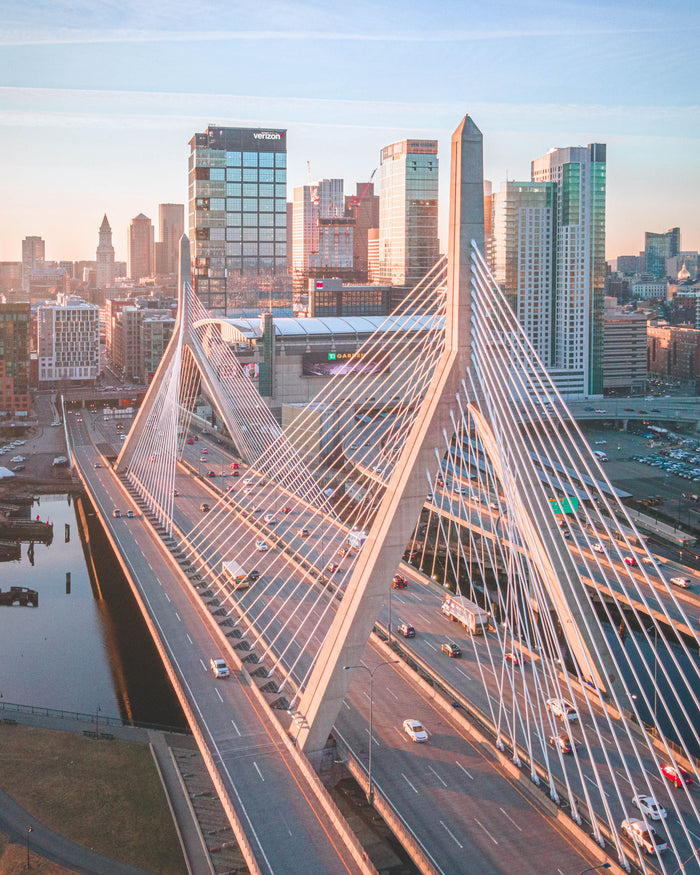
(564,505)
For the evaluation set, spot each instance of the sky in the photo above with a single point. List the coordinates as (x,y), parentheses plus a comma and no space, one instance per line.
(99,99)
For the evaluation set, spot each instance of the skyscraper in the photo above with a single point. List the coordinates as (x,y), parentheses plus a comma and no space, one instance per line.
(171,224)
(659,247)
(33,256)
(237,211)
(548,253)
(322,233)
(579,177)
(140,245)
(408,211)
(105,256)
(15,336)
(363,207)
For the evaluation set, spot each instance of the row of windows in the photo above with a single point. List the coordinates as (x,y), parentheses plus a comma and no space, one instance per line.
(236,204)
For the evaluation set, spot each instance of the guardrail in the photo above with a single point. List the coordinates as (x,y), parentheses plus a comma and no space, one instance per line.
(78,716)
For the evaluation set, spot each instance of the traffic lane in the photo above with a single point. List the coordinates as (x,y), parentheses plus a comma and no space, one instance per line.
(448,792)
(176,613)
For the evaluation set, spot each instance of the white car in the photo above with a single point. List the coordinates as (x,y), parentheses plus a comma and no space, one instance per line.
(219,667)
(562,709)
(261,546)
(18,459)
(679,581)
(598,548)
(246,481)
(649,806)
(645,837)
(270,518)
(414,730)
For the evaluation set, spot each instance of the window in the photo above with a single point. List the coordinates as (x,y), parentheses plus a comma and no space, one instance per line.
(267,205)
(217,173)
(233,204)
(250,205)
(250,175)
(217,203)
(233,174)
(233,233)
(266,190)
(250,234)
(281,191)
(250,159)
(250,189)
(266,175)
(233,159)
(280,159)
(233,189)
(266,159)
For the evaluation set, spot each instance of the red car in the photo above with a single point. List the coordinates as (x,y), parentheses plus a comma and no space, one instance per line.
(399,582)
(286,510)
(235,473)
(630,560)
(676,775)
(211,473)
(190,441)
(234,465)
(512,657)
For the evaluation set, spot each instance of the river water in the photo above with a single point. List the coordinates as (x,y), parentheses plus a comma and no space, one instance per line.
(86,645)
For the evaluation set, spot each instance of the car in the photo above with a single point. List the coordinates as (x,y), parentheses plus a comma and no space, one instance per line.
(562,741)
(230,488)
(18,468)
(286,510)
(204,507)
(254,575)
(211,473)
(190,441)
(55,424)
(599,410)
(683,582)
(18,459)
(629,560)
(513,657)
(247,490)
(600,443)
(235,474)
(399,582)
(645,836)
(414,730)
(97,465)
(196,437)
(451,649)
(116,513)
(246,481)
(219,667)
(333,567)
(202,459)
(676,775)
(303,533)
(261,546)
(270,519)
(175,493)
(647,560)
(406,630)
(649,806)
(562,709)
(123,437)
(234,466)
(205,451)
(598,548)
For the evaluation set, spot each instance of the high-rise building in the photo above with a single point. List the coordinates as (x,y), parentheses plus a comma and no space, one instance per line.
(625,345)
(10,275)
(15,333)
(322,233)
(547,251)
(363,207)
(408,211)
(659,247)
(171,224)
(33,256)
(237,212)
(140,247)
(68,341)
(105,257)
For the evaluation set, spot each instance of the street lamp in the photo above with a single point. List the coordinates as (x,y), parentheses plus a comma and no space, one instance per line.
(595,868)
(370,672)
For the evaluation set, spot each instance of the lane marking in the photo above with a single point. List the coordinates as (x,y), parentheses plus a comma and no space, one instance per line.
(511,819)
(431,646)
(203,665)
(451,834)
(346,704)
(468,774)
(467,676)
(258,770)
(167,596)
(624,777)
(393,695)
(188,637)
(444,784)
(409,783)
(178,616)
(591,781)
(374,739)
(218,694)
(486,831)
(238,731)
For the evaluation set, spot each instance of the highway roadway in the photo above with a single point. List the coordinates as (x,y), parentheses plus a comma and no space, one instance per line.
(294,833)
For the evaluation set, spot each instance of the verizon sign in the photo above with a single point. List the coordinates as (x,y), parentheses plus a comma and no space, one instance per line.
(267,135)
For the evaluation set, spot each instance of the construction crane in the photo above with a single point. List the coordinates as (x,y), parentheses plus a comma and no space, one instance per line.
(355,201)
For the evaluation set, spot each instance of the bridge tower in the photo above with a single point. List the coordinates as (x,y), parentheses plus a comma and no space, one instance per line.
(404,498)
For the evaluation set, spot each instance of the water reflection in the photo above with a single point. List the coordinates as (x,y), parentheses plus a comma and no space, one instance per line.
(86,645)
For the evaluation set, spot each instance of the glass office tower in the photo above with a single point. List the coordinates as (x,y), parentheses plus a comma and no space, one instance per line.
(237,213)
(408,211)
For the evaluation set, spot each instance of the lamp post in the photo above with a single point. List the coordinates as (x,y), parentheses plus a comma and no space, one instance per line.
(595,868)
(29,865)
(370,672)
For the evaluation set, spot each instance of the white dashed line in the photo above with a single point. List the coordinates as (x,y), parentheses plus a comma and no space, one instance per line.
(393,695)
(203,665)
(624,777)
(468,774)
(346,704)
(437,776)
(590,780)
(178,616)
(431,646)
(258,771)
(188,637)
(467,676)
(238,731)
(167,596)
(409,783)
(451,835)
(511,820)
(486,831)
(374,739)
(219,695)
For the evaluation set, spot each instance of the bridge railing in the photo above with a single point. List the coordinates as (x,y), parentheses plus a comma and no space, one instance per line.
(78,716)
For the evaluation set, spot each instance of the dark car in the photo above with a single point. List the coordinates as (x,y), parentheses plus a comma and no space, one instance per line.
(399,582)
(452,650)
(406,630)
(254,575)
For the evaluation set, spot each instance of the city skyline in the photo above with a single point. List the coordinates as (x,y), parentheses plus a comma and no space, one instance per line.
(103,103)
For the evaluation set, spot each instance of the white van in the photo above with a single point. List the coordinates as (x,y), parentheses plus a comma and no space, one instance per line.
(600,455)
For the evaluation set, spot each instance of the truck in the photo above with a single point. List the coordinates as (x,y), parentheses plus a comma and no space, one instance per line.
(471,616)
(234,574)
(356,539)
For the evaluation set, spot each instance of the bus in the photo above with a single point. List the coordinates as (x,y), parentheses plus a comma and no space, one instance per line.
(234,574)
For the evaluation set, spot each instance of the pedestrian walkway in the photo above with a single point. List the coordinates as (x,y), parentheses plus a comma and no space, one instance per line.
(15,821)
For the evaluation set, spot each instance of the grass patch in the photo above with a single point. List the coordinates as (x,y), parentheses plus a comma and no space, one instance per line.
(13,860)
(104,795)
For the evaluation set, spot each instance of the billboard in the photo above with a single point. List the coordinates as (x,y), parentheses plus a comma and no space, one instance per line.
(328,364)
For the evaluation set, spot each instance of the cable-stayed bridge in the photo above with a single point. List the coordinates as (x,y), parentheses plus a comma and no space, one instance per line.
(467,445)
